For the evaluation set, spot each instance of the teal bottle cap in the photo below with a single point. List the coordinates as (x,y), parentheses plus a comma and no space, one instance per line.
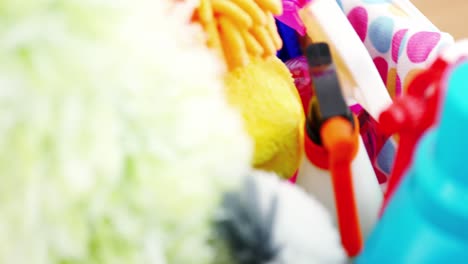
(451,143)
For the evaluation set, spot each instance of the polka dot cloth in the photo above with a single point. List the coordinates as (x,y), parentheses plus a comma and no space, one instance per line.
(400,41)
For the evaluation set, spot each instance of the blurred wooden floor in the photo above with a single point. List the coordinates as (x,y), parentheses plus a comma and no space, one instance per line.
(448,15)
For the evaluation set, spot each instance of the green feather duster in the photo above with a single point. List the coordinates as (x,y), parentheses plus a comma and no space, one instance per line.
(116,141)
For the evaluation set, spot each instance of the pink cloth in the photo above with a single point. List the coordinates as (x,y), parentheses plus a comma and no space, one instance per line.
(290,15)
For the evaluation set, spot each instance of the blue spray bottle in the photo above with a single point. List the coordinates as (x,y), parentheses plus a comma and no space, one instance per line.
(427,219)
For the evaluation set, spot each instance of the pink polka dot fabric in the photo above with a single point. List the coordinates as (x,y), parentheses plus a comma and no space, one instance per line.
(400,40)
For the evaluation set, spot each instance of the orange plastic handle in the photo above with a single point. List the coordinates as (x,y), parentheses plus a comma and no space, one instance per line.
(342,143)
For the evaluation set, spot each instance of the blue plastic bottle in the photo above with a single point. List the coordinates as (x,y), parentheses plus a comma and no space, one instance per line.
(427,219)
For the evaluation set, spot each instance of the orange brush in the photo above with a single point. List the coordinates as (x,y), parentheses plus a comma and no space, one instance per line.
(341,141)
(240,29)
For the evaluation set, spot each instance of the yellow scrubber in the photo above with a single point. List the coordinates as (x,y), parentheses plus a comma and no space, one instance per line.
(272,114)
(241,29)
(257,83)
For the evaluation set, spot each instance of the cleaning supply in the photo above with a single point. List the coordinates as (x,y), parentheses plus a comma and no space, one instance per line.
(427,219)
(117,139)
(264,92)
(291,17)
(361,82)
(241,29)
(257,83)
(337,170)
(381,151)
(411,116)
(402,43)
(268,220)
(299,69)
(298,66)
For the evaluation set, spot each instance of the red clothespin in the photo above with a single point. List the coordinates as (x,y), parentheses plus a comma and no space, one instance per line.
(410,116)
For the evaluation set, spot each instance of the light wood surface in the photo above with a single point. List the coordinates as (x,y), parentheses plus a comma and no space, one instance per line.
(448,15)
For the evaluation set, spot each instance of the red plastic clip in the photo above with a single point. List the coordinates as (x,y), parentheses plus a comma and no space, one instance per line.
(340,146)
(332,141)
(410,116)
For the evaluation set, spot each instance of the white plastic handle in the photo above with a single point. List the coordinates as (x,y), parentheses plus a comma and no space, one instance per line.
(367,191)
(325,22)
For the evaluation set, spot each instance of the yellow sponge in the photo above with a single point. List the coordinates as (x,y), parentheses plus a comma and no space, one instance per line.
(265,94)
(258,84)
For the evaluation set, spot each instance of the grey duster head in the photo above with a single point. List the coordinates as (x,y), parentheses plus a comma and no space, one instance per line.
(247,229)
(270,221)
